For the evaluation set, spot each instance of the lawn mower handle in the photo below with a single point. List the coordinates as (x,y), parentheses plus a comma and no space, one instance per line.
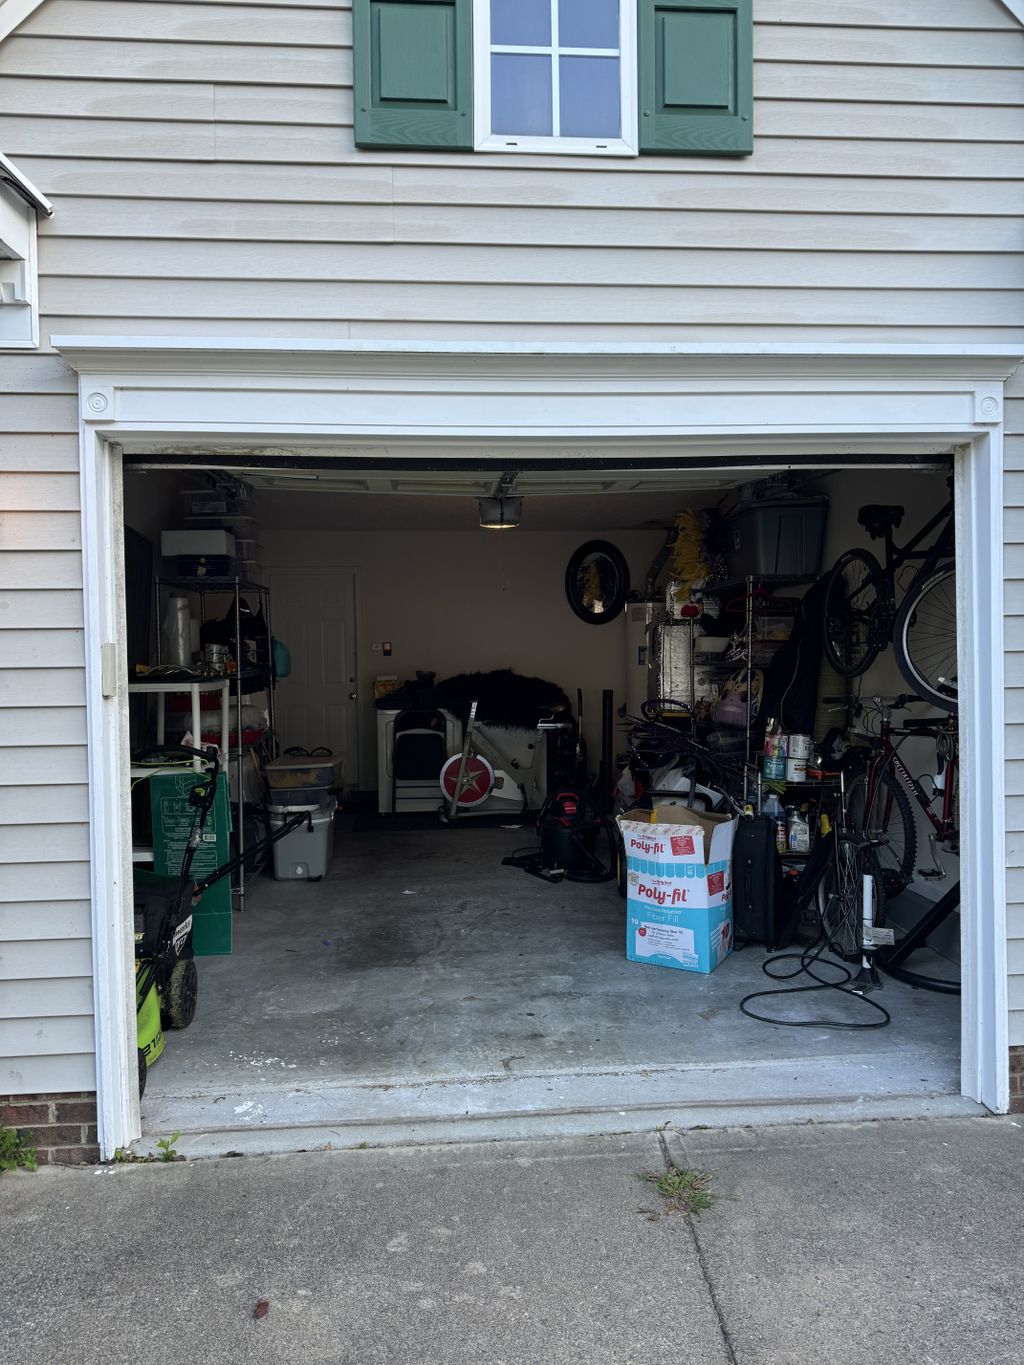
(225,869)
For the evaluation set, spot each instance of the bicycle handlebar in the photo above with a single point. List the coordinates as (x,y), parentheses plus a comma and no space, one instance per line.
(893,703)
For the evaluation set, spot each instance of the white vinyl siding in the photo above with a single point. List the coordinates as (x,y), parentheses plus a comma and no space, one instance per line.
(201,163)
(878,203)
(46,1028)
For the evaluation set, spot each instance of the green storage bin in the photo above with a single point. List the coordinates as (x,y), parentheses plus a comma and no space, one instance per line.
(172,823)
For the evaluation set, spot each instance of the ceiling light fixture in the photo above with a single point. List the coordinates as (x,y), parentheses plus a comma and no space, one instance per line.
(501,512)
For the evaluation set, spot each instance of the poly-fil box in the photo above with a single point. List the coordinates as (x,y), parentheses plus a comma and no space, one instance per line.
(678,887)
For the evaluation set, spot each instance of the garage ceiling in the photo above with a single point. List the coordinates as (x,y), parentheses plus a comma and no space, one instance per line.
(287,511)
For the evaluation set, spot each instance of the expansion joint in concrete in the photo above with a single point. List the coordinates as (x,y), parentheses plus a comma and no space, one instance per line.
(698,1250)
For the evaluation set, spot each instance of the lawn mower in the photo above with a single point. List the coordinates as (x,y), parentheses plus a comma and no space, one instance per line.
(166,979)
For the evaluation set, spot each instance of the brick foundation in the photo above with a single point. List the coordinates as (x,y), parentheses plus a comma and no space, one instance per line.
(62,1128)
(1017,1080)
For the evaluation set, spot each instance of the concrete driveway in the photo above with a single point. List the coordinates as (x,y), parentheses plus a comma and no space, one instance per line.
(889,1241)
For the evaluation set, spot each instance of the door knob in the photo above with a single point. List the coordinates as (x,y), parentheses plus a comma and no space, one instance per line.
(353,696)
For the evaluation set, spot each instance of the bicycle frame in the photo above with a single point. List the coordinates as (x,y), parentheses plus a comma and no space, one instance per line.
(942,548)
(886,756)
(897,556)
(878,618)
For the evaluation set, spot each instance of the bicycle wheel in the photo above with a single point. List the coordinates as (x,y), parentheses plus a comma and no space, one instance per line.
(852,608)
(841,896)
(924,638)
(890,819)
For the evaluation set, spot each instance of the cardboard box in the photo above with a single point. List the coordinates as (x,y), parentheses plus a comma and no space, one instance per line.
(197,543)
(678,887)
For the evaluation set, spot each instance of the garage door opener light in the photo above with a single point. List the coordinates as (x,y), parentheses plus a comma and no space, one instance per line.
(501,512)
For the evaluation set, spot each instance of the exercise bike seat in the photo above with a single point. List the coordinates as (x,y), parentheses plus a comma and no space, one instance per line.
(879,518)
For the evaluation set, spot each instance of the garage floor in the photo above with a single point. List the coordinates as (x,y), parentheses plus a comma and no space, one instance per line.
(421,982)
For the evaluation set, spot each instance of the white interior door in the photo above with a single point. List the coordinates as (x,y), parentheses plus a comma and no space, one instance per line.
(314,614)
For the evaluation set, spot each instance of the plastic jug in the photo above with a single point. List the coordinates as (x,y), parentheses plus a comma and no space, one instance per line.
(772,807)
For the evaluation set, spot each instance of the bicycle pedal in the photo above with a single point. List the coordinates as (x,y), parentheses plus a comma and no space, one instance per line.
(929,874)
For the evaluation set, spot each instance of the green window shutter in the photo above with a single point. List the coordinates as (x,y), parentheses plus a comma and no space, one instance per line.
(413,73)
(696,74)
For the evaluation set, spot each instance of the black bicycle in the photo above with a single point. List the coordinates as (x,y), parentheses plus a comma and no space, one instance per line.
(862,618)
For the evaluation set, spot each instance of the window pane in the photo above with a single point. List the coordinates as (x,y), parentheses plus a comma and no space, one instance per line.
(521,23)
(520,94)
(588,23)
(589,96)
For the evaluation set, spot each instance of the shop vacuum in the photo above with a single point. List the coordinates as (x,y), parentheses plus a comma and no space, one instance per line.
(570,825)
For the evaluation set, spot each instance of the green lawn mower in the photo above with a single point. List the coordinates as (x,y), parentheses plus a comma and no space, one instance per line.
(166,979)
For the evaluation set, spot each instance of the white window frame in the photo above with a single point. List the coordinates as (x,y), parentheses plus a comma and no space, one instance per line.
(486,141)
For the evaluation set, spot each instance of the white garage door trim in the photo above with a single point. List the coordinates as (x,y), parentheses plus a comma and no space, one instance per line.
(155,393)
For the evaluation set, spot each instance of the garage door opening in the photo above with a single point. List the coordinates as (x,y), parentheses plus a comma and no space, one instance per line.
(423,986)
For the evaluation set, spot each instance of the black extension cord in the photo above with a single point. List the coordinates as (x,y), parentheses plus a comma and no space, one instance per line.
(808,960)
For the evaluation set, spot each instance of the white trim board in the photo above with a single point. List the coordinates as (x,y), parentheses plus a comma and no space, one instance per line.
(190,390)
(15,12)
(21,183)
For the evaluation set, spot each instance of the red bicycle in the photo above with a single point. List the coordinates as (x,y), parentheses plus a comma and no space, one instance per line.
(881,787)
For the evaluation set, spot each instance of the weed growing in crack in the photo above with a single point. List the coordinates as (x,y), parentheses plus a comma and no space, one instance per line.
(683,1191)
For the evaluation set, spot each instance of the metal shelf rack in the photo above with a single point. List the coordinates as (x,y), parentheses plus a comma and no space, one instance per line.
(748,587)
(244,682)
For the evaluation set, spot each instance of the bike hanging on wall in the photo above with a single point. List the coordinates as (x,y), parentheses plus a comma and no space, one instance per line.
(861,613)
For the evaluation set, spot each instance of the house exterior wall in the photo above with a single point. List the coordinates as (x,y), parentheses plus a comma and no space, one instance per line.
(201,164)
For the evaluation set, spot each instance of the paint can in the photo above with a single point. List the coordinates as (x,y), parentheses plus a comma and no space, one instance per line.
(796,769)
(774,767)
(798,746)
(775,745)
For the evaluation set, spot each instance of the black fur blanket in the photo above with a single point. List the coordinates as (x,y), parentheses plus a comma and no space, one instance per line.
(507,699)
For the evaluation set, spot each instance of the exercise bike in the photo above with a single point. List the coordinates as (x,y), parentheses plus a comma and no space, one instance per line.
(483,780)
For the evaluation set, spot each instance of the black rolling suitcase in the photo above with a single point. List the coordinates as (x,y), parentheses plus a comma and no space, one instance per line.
(761,910)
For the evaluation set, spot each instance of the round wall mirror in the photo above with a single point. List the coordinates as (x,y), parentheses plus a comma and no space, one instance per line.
(596,582)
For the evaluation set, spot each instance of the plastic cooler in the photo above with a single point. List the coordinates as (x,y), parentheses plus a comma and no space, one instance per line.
(304,854)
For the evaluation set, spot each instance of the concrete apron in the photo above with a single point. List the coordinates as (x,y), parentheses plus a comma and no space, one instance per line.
(464,1111)
(573,1104)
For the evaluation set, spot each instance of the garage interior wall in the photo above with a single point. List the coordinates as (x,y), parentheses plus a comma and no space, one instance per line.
(470,601)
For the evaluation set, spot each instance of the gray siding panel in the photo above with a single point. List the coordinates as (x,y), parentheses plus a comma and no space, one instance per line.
(39,1074)
(19,999)
(46,1029)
